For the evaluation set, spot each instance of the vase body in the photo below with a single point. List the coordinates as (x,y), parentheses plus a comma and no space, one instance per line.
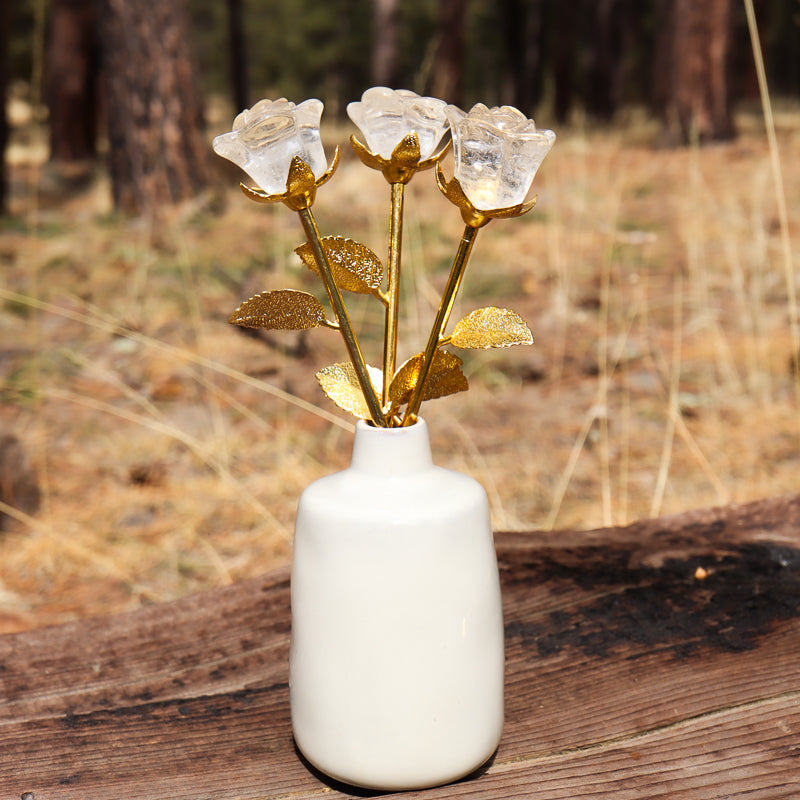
(396,665)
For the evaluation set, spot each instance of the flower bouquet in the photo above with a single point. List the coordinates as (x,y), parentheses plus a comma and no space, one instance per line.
(396,660)
(496,152)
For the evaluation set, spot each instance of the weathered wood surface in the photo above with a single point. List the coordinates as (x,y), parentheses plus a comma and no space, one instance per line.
(629,675)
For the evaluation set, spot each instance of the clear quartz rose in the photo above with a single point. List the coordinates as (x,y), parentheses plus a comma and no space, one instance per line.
(266,137)
(385,116)
(497,152)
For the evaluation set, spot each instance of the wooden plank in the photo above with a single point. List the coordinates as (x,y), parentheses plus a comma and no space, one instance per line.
(630,674)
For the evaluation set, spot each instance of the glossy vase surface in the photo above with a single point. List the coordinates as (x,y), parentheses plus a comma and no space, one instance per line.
(396,667)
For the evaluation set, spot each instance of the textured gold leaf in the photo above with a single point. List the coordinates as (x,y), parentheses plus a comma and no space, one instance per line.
(340,383)
(284,309)
(444,378)
(353,265)
(491,327)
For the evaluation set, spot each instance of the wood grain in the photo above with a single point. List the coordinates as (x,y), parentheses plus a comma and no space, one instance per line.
(654,661)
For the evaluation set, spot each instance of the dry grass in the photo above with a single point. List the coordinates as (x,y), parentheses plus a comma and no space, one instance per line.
(171,448)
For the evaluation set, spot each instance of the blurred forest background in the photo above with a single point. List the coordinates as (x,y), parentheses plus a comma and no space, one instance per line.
(127,73)
(148,449)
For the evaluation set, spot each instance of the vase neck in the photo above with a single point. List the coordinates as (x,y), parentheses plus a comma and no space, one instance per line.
(391,451)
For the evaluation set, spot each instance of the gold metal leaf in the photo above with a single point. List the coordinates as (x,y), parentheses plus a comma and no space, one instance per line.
(444,378)
(353,265)
(491,327)
(284,309)
(340,384)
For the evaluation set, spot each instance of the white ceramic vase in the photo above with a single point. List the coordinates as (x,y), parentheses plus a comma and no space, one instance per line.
(396,667)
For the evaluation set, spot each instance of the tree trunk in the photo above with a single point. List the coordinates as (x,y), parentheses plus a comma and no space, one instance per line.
(604,60)
(565,54)
(238,55)
(447,80)
(70,82)
(4,25)
(692,55)
(157,149)
(385,33)
(523,25)
(663,46)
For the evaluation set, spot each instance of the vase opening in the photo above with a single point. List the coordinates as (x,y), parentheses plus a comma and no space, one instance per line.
(391,451)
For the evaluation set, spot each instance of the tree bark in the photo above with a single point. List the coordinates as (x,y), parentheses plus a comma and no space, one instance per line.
(4,25)
(385,34)
(157,149)
(238,55)
(663,46)
(692,76)
(70,81)
(523,27)
(565,54)
(604,60)
(447,79)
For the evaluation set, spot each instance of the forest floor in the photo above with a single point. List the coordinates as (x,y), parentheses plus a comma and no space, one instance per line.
(170,448)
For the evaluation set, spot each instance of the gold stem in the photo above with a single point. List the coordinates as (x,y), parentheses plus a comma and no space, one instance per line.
(445,307)
(345,326)
(393,288)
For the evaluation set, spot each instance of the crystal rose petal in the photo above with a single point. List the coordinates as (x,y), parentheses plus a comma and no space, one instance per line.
(267,136)
(426,116)
(497,153)
(385,116)
(307,121)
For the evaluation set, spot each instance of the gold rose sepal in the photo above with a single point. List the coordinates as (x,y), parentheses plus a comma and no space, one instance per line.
(404,161)
(301,185)
(475,217)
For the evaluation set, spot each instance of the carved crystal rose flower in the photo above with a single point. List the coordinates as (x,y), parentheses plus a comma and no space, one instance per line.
(266,137)
(386,116)
(497,152)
